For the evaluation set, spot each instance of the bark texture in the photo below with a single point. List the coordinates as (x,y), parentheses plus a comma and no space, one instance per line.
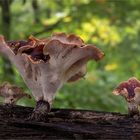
(67,124)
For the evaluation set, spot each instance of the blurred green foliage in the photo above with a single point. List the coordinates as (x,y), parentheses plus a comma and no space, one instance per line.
(112,25)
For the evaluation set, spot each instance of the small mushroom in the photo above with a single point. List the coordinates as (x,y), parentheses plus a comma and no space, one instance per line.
(130,90)
(47,64)
(12,93)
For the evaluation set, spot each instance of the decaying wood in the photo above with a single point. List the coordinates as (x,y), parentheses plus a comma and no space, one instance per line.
(67,124)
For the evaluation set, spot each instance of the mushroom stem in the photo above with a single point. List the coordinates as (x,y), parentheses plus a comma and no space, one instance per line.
(133,108)
(40,111)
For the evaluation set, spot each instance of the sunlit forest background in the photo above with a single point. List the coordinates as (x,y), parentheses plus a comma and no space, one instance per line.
(112,25)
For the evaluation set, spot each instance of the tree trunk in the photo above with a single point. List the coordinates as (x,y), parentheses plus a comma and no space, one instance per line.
(6,17)
(6,25)
(67,124)
(36,11)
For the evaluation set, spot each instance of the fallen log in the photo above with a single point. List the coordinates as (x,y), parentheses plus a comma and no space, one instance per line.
(67,124)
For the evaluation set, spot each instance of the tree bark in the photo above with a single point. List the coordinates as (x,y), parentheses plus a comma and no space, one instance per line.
(6,25)
(67,124)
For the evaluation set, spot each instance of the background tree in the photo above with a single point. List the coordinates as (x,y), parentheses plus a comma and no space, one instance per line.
(6,25)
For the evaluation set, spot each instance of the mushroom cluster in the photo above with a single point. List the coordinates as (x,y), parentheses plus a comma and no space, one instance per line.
(130,90)
(47,64)
(12,93)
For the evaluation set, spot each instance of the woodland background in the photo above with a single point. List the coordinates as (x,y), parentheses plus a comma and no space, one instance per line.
(112,25)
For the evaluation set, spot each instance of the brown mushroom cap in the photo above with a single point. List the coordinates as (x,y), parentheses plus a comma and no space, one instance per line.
(35,47)
(128,88)
(60,43)
(32,47)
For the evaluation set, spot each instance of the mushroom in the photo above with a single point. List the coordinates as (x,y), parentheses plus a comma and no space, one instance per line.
(47,64)
(12,93)
(130,90)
